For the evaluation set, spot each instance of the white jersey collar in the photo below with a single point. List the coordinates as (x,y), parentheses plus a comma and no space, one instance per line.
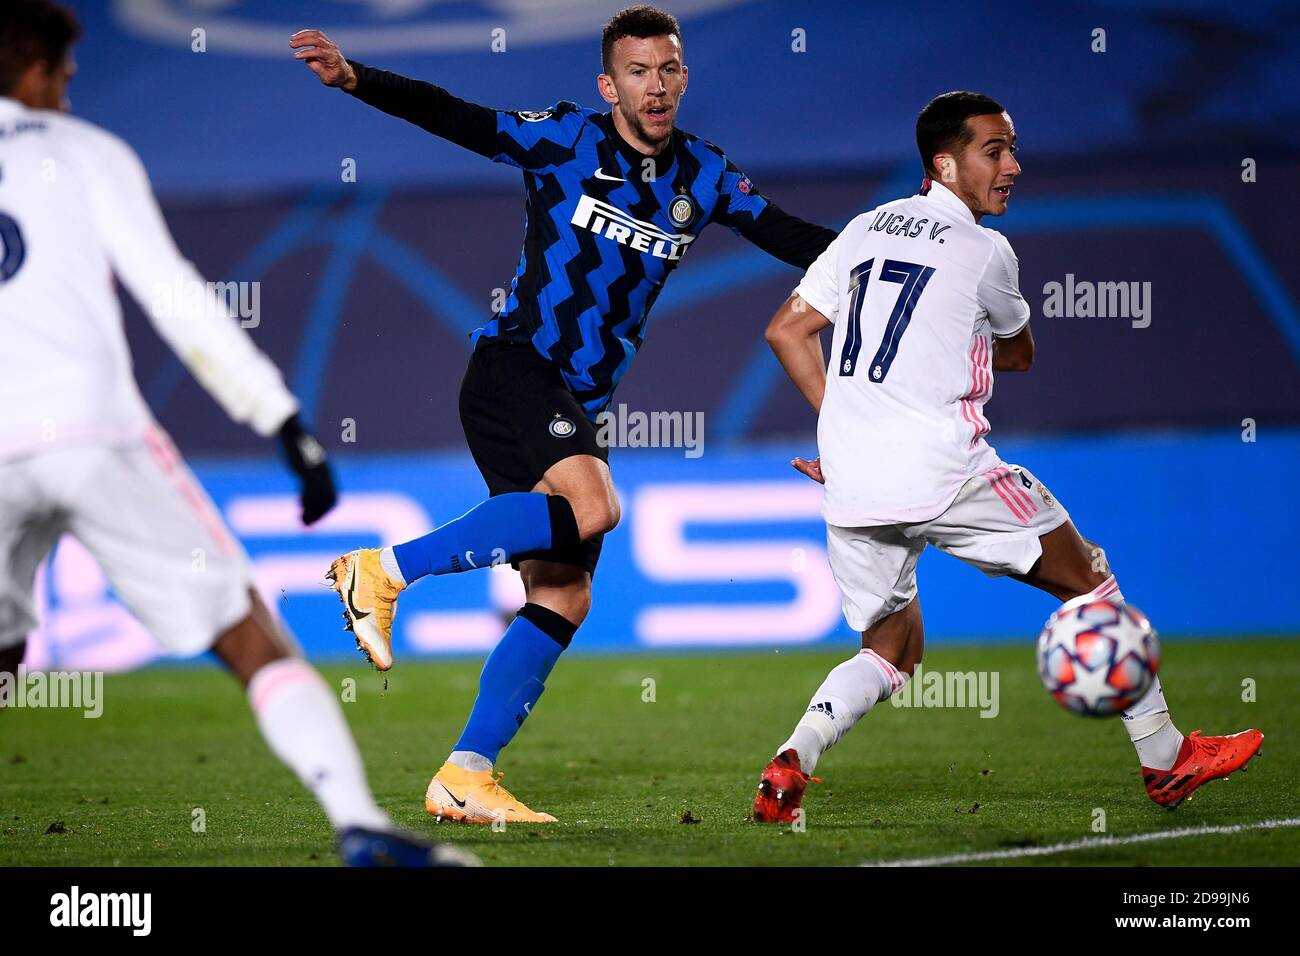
(941,194)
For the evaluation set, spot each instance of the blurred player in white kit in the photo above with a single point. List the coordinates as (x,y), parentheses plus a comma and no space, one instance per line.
(81,454)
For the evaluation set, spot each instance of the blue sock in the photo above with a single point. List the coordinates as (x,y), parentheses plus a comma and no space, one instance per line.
(513,678)
(492,532)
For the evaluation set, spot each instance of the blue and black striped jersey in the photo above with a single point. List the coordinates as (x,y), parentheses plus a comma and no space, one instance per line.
(605,224)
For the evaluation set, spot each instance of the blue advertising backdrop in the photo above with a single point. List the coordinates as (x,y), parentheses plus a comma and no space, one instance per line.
(727,550)
(1162,150)
(207,90)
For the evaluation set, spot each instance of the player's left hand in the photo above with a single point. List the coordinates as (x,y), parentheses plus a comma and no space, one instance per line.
(324,58)
(306,457)
(813,469)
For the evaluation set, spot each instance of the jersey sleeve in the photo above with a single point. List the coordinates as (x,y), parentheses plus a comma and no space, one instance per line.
(187,312)
(528,140)
(756,218)
(820,286)
(538,141)
(999,290)
(739,201)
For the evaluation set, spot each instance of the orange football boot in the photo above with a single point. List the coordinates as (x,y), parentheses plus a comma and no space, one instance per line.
(369,599)
(481,798)
(780,789)
(1200,760)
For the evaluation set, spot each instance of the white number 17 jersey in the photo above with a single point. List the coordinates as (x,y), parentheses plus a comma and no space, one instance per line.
(916,290)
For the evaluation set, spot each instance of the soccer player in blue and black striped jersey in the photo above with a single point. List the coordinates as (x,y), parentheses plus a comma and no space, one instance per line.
(615,201)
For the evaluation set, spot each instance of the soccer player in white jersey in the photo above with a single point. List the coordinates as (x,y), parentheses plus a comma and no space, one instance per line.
(80,453)
(926,307)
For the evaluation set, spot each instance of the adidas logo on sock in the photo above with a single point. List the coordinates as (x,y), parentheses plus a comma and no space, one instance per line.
(823,707)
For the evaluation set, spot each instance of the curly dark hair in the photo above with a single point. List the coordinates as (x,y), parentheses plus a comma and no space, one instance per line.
(32,31)
(640,21)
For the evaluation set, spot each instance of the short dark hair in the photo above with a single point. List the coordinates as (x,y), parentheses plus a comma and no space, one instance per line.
(942,124)
(32,31)
(640,21)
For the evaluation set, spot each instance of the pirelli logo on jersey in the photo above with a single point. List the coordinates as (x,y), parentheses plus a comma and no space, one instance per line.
(612,223)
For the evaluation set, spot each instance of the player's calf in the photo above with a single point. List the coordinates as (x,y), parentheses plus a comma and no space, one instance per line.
(1069,567)
(849,691)
(1151,729)
(491,533)
(1173,766)
(301,720)
(513,680)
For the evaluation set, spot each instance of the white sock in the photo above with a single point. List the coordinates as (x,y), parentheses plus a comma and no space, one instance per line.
(469,760)
(1152,730)
(303,724)
(1107,589)
(388,561)
(849,691)
(1148,723)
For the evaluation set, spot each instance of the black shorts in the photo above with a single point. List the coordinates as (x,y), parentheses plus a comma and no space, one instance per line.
(520,419)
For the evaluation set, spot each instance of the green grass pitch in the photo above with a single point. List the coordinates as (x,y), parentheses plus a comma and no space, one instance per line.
(626,776)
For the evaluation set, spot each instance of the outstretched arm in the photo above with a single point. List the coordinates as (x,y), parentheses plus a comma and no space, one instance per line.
(194,319)
(427,106)
(534,141)
(765,224)
(788,238)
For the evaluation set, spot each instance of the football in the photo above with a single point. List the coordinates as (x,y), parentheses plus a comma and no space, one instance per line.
(1098,657)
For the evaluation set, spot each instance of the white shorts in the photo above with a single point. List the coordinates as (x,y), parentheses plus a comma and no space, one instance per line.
(994,524)
(140,513)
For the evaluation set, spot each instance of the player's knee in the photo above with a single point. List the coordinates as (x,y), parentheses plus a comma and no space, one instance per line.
(598,516)
(246,648)
(564,589)
(900,658)
(573,603)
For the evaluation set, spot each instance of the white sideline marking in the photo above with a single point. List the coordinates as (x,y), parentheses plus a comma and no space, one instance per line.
(1087,843)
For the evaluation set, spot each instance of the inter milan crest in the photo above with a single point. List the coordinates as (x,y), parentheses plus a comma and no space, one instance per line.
(562,427)
(682,211)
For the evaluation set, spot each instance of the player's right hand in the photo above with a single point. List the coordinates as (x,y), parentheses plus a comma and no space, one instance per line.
(324,58)
(813,469)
